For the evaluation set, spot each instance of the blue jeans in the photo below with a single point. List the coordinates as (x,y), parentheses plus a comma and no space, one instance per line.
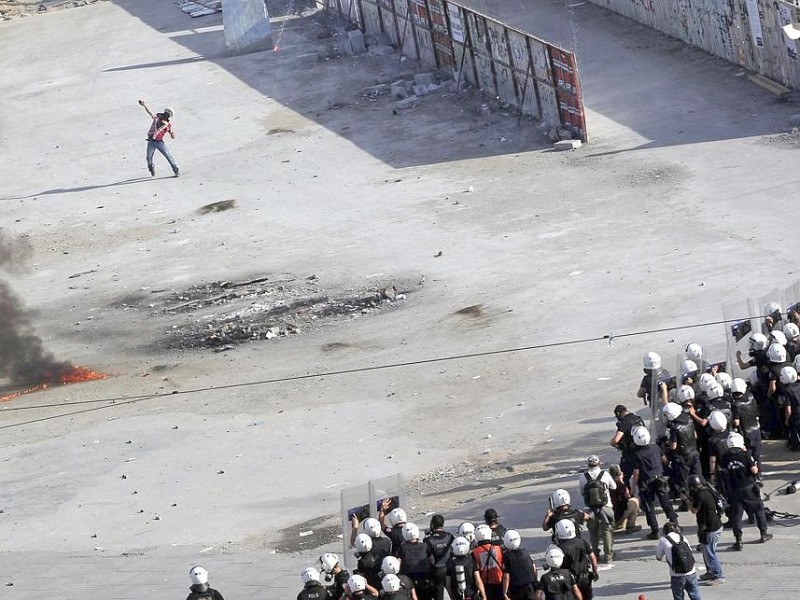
(161,146)
(713,566)
(678,583)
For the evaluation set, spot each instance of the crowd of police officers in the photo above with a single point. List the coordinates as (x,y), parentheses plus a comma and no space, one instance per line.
(701,453)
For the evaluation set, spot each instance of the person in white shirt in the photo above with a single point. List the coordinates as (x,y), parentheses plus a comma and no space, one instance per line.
(681,579)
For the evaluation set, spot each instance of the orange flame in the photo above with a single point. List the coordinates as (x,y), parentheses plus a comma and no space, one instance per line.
(74,374)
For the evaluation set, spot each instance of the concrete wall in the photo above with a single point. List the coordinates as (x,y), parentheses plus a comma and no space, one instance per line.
(745,32)
(246,25)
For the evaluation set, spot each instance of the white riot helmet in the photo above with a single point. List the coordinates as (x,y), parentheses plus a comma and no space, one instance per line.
(390,583)
(641,436)
(356,583)
(739,385)
(362,543)
(758,341)
(688,367)
(791,331)
(706,379)
(735,440)
(328,562)
(410,532)
(372,527)
(396,517)
(512,539)
(565,529)
(771,308)
(554,557)
(778,337)
(788,375)
(309,574)
(671,411)
(651,361)
(718,421)
(460,546)
(198,575)
(390,565)
(483,533)
(685,393)
(776,353)
(467,530)
(560,498)
(694,352)
(714,391)
(797,363)
(724,380)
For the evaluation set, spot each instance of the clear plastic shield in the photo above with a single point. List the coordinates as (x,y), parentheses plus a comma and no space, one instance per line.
(740,324)
(386,491)
(771,313)
(355,501)
(791,303)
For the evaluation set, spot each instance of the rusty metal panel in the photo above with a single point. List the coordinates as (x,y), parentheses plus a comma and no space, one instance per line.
(541,61)
(568,90)
(440,33)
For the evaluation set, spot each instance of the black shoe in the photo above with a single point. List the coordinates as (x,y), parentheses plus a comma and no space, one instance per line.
(737,545)
(765,537)
(152,171)
(177,172)
(653,535)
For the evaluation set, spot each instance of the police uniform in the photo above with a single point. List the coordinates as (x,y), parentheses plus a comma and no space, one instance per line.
(790,397)
(439,542)
(577,558)
(744,495)
(314,590)
(686,456)
(519,567)
(648,462)
(576,515)
(557,584)
(456,565)
(202,591)
(745,411)
(626,446)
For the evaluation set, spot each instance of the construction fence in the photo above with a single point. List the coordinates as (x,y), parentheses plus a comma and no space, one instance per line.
(538,78)
(748,33)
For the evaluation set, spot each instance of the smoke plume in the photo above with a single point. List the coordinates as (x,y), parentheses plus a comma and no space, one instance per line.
(23,358)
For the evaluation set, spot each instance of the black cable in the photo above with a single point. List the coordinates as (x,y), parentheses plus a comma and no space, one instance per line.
(116,401)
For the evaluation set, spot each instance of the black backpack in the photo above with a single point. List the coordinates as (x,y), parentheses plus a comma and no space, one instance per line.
(682,557)
(721,504)
(595,492)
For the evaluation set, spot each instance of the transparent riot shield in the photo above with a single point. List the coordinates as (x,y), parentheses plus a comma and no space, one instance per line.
(740,324)
(386,492)
(716,359)
(355,502)
(791,303)
(660,377)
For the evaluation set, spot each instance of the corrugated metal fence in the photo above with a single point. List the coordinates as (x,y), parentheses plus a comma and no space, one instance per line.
(531,74)
(746,32)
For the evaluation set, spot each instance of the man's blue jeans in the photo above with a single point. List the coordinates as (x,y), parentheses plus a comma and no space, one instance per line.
(161,146)
(679,583)
(710,557)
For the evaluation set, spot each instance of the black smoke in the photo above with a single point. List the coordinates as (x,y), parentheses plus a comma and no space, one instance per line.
(23,359)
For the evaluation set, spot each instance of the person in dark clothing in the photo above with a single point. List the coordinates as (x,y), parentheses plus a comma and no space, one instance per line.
(682,443)
(498,531)
(519,572)
(648,477)
(557,583)
(329,564)
(790,403)
(312,588)
(463,578)
(440,542)
(561,508)
(744,495)
(578,557)
(623,441)
(393,523)
(709,527)
(369,560)
(200,590)
(391,566)
(626,505)
(416,560)
(745,418)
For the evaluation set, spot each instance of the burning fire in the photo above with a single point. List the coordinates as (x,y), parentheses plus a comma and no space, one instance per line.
(65,376)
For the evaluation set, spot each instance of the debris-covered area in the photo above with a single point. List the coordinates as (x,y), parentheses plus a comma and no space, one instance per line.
(227,313)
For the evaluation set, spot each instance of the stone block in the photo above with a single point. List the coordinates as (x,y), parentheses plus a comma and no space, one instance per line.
(356,40)
(399,90)
(424,79)
(420,90)
(406,103)
(562,145)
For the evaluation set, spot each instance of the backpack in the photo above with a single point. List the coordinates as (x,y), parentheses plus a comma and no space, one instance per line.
(595,492)
(721,504)
(682,557)
(489,561)
(556,585)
